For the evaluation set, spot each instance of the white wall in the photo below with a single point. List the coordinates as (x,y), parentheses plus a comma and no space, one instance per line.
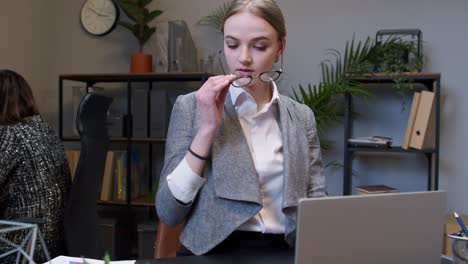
(48,41)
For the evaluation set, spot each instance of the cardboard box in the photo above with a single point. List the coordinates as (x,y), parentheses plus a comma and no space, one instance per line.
(451,226)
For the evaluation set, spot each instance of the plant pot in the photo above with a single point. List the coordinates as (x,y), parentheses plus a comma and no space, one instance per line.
(141,63)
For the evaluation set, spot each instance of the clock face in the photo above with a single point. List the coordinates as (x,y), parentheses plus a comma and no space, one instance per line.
(99,17)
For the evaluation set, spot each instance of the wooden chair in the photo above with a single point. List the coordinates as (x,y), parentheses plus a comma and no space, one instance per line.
(167,241)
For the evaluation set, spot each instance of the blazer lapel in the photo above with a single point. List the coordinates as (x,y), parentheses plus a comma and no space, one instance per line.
(295,153)
(234,172)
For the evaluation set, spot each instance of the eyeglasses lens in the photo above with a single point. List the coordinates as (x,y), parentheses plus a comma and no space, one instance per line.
(269,76)
(242,81)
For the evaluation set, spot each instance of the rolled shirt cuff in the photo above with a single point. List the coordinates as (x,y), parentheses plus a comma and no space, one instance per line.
(183,183)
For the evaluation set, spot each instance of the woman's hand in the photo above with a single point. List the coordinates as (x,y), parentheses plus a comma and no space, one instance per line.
(210,99)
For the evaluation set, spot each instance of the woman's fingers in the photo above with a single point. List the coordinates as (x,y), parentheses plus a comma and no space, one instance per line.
(219,82)
(222,96)
(210,99)
(214,87)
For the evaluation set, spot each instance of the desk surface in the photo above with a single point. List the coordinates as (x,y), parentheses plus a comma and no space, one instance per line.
(283,258)
(272,258)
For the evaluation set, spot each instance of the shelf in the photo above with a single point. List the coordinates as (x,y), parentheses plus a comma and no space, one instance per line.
(390,149)
(101,202)
(151,149)
(425,78)
(121,139)
(431,80)
(146,200)
(135,77)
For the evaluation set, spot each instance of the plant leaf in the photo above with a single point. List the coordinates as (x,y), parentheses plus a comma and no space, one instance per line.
(215,18)
(152,15)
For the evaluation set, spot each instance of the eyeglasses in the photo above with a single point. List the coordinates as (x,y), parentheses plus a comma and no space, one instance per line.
(243,81)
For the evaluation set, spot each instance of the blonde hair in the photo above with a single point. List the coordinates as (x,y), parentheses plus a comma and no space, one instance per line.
(266,9)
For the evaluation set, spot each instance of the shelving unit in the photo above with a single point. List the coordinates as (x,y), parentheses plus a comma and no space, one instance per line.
(129,206)
(431,81)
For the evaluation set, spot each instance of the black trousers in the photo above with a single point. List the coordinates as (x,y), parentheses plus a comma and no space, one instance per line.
(246,243)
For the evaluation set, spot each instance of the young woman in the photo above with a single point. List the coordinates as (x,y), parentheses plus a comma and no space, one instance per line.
(34,173)
(238,154)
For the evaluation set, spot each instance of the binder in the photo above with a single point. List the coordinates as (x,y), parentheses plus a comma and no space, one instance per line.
(423,133)
(140,113)
(158,113)
(411,119)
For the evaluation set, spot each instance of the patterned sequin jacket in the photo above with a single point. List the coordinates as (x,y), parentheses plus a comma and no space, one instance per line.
(34,180)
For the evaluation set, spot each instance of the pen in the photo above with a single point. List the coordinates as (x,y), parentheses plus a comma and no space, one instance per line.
(460,222)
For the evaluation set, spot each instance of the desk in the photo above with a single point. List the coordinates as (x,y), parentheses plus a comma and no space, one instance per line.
(227,259)
(271,258)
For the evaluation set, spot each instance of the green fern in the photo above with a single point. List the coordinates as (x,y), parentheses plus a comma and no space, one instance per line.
(339,74)
(337,80)
(215,18)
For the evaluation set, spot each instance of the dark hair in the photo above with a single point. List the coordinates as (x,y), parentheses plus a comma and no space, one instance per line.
(16,98)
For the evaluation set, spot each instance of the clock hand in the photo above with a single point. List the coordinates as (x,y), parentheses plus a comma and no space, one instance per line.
(98,12)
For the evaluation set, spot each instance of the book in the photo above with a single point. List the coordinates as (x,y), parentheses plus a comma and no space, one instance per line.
(375,189)
(423,133)
(73,156)
(370,142)
(120,176)
(107,179)
(411,119)
(139,177)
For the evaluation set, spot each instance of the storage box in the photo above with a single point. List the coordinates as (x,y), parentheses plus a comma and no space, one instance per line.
(451,226)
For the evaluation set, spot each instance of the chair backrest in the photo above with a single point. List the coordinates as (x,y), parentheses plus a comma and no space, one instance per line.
(167,241)
(82,235)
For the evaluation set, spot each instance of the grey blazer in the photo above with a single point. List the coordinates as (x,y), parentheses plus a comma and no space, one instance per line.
(231,194)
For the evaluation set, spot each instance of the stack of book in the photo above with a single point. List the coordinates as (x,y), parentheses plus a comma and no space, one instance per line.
(114,179)
(375,189)
(420,131)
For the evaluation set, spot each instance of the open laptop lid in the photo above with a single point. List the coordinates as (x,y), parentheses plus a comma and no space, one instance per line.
(369,229)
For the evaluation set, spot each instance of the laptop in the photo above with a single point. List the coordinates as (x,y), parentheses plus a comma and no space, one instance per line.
(368,229)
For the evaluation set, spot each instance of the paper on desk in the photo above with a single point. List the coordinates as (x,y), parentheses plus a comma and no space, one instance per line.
(74,260)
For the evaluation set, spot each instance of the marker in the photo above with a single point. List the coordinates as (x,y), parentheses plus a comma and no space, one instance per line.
(460,222)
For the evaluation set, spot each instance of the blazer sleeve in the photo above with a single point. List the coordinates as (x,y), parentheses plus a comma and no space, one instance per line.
(179,138)
(8,160)
(317,185)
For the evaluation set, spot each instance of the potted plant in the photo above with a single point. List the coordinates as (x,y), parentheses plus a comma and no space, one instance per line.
(140,16)
(397,57)
(339,76)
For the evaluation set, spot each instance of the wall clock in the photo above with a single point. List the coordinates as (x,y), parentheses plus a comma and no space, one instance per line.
(99,17)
